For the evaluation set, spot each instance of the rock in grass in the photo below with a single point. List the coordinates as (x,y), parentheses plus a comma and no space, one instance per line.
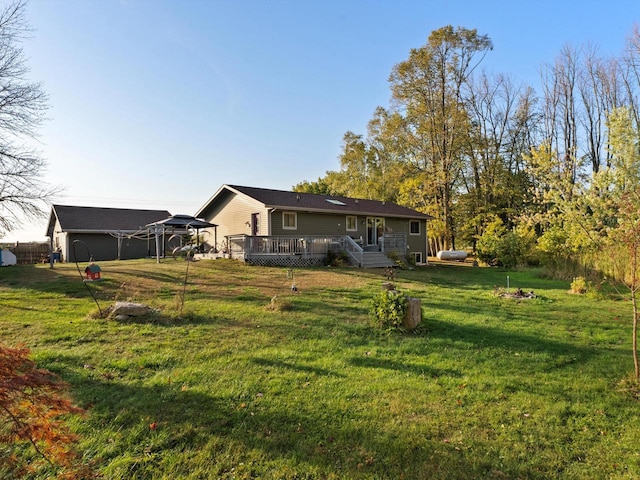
(130,309)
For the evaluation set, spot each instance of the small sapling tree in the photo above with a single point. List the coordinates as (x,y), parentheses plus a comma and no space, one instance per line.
(33,437)
(624,142)
(628,235)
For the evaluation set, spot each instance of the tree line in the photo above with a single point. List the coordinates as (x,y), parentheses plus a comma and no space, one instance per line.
(517,175)
(550,178)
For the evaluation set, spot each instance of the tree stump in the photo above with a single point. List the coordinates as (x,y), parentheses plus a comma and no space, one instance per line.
(413,317)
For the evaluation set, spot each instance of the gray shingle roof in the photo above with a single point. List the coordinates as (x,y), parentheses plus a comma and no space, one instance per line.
(98,219)
(327,203)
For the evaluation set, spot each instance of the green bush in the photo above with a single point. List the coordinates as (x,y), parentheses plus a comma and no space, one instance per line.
(336,259)
(388,310)
(583,286)
(509,248)
(580,285)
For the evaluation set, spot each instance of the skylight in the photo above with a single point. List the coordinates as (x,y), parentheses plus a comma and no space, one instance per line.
(335,202)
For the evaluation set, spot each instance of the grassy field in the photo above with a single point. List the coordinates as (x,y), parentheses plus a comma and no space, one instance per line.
(487,387)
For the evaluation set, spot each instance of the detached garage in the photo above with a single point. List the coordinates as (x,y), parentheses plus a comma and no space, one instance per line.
(105,233)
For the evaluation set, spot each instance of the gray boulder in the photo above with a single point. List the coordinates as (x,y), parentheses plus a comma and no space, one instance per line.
(130,309)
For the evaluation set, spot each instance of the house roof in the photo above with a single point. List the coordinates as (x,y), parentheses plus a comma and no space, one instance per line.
(285,200)
(102,220)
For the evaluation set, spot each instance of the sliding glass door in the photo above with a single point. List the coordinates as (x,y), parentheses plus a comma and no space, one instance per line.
(375,228)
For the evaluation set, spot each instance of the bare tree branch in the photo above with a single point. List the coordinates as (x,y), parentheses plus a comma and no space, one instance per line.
(23,192)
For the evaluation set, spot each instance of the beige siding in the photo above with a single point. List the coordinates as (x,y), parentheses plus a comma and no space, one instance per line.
(233,216)
(61,240)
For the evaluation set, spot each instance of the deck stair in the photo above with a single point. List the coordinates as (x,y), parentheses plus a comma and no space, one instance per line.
(375,260)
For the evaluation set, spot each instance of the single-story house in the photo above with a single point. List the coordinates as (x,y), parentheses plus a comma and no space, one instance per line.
(102,233)
(275,227)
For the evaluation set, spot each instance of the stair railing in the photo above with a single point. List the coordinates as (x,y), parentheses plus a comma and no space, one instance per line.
(353,250)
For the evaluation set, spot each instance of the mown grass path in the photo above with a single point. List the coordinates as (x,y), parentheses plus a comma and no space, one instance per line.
(486,388)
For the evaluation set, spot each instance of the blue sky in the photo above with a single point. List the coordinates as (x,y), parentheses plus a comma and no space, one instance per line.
(155,104)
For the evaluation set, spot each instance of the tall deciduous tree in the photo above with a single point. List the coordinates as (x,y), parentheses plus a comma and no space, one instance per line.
(23,103)
(630,73)
(368,166)
(560,111)
(595,81)
(493,178)
(428,94)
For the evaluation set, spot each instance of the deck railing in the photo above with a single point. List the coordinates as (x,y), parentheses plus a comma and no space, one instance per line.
(283,245)
(394,243)
(248,247)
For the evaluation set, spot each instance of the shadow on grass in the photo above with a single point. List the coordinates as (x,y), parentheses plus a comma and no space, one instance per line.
(40,283)
(147,274)
(131,429)
(507,340)
(334,306)
(467,278)
(32,278)
(416,369)
(265,362)
(69,283)
(188,318)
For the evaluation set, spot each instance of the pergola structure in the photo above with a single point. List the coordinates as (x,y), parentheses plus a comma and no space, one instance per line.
(180,222)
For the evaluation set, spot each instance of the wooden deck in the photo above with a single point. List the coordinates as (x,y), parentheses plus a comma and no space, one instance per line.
(298,251)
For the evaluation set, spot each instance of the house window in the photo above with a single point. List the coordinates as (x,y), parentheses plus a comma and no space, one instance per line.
(414,227)
(289,220)
(352,223)
(417,257)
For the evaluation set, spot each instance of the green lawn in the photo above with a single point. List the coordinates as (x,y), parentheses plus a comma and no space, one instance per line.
(486,388)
